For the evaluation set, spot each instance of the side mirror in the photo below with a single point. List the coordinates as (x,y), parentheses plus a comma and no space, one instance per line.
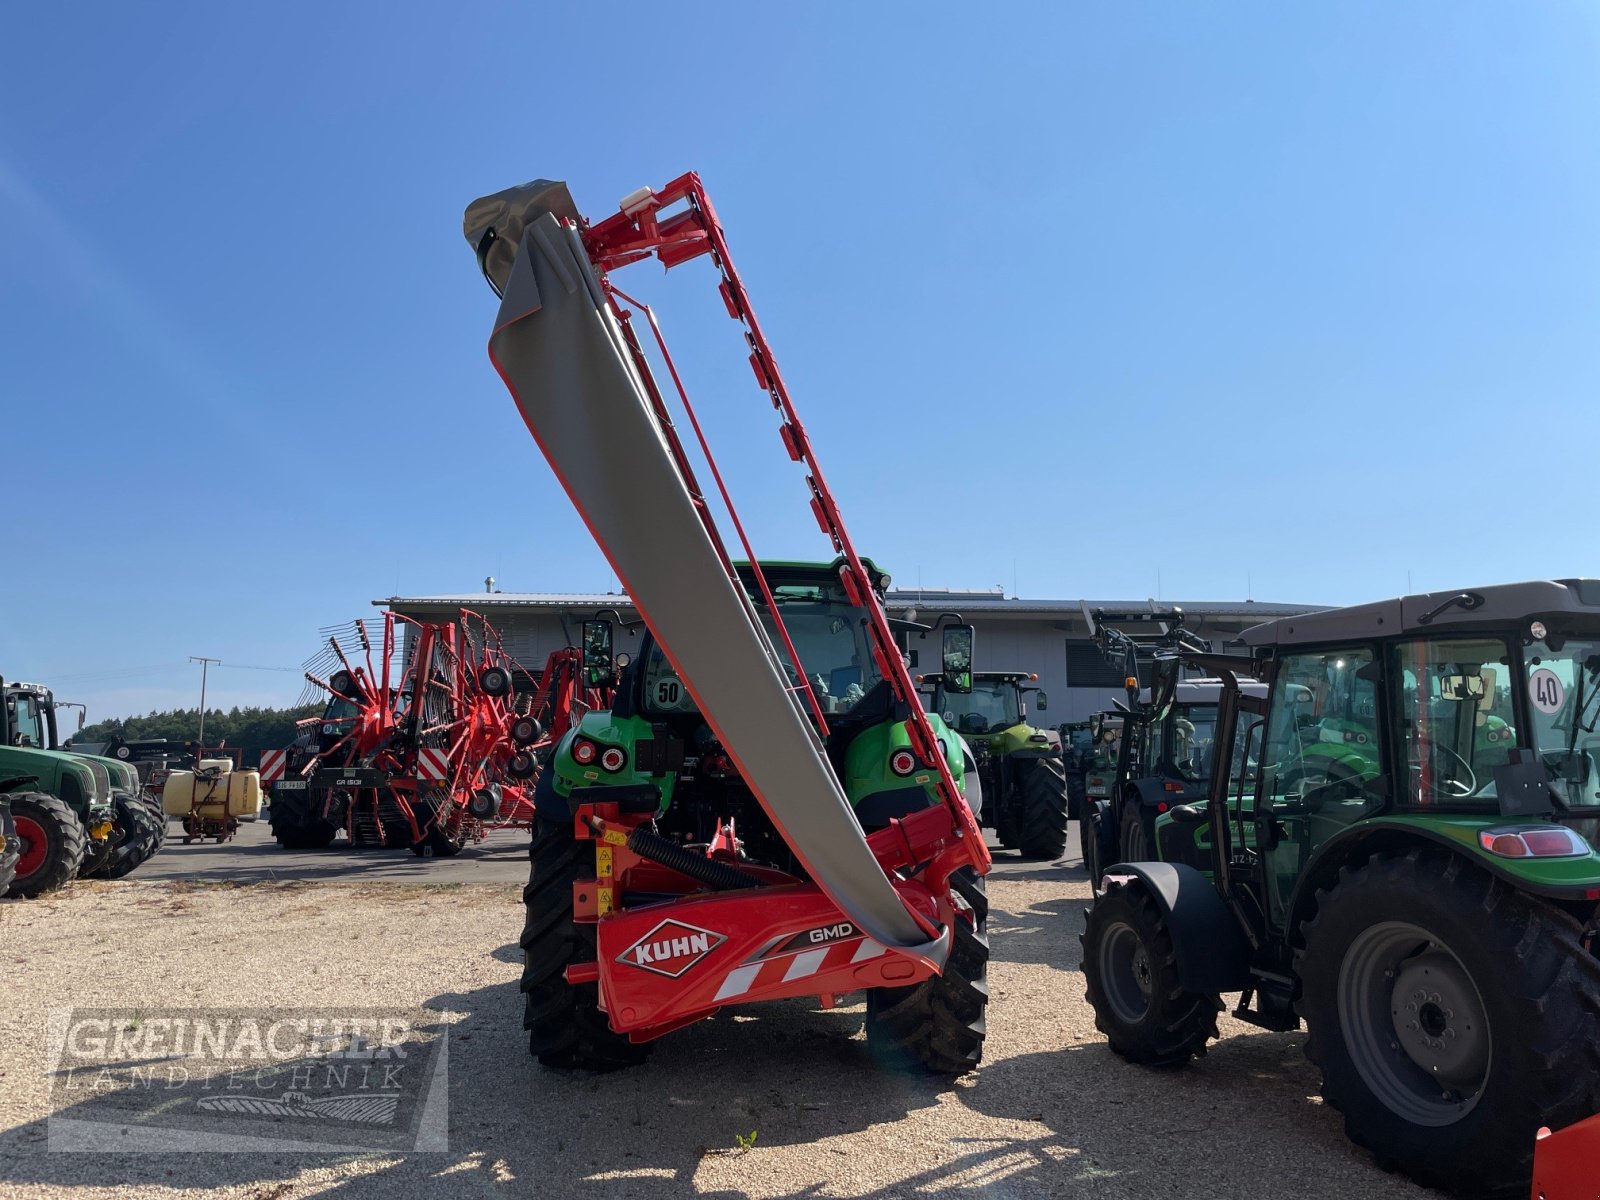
(1041,701)
(82,713)
(1095,722)
(957,658)
(599,664)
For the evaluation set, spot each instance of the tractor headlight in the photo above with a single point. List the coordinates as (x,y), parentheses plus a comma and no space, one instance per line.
(1533,841)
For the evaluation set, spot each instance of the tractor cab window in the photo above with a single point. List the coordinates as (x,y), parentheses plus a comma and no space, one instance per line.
(829,634)
(27,725)
(1107,748)
(1561,682)
(991,704)
(1194,731)
(1320,761)
(1455,714)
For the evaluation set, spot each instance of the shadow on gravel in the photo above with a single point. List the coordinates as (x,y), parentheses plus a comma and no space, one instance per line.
(253,856)
(1072,1121)
(789,1072)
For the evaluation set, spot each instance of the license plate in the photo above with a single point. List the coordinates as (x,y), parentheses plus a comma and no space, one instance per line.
(288,785)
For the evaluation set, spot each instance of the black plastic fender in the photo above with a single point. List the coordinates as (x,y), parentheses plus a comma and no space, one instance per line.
(1213,953)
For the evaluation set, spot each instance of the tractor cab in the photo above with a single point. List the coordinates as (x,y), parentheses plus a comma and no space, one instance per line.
(826,628)
(654,733)
(998,701)
(1398,850)
(1028,801)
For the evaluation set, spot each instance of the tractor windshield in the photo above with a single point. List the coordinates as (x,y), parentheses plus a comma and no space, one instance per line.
(1563,695)
(991,704)
(829,634)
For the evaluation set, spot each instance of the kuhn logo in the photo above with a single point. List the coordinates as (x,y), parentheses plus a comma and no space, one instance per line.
(671,948)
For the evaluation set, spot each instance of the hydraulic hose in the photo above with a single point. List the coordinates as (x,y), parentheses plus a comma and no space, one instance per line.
(686,862)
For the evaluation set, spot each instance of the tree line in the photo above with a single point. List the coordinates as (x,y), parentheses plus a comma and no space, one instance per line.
(251,730)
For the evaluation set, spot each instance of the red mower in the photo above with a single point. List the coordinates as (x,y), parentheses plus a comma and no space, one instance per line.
(765,810)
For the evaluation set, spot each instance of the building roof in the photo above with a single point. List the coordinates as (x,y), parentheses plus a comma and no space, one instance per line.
(925,600)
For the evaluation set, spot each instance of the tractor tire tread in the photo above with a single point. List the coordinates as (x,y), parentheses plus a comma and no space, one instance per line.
(1181,1033)
(566,1027)
(1043,822)
(1550,982)
(938,1026)
(137,838)
(73,840)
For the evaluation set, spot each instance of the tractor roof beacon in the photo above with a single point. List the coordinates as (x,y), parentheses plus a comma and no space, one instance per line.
(765,811)
(1405,863)
(1025,795)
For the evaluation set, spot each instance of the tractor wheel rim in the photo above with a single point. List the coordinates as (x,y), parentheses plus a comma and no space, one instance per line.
(1137,850)
(35,845)
(1414,1023)
(1126,972)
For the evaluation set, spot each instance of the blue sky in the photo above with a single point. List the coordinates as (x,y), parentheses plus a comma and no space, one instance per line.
(1294,298)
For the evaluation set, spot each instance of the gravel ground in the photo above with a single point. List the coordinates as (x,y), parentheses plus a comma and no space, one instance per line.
(1051,1113)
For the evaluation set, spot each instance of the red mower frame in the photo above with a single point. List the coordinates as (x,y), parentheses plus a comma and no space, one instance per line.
(774,935)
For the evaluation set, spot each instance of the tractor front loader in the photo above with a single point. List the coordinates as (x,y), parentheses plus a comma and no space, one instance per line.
(765,811)
(1423,897)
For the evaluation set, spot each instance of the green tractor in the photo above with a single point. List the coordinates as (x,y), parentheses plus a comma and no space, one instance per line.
(139,825)
(654,741)
(1404,862)
(1024,774)
(60,804)
(1166,762)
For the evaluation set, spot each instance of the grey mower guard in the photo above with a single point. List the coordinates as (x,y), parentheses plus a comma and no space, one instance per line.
(559,349)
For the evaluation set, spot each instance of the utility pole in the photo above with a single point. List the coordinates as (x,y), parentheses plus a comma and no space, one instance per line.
(205,666)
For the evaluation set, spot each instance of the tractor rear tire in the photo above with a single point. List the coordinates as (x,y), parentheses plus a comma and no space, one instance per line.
(53,840)
(295,828)
(938,1025)
(1089,844)
(1451,1016)
(159,814)
(1135,836)
(566,1028)
(133,839)
(1131,970)
(11,852)
(1043,823)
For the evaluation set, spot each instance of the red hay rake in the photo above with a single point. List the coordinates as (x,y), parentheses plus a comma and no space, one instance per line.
(425,741)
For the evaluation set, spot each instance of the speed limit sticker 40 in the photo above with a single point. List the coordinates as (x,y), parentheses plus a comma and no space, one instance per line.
(1546,691)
